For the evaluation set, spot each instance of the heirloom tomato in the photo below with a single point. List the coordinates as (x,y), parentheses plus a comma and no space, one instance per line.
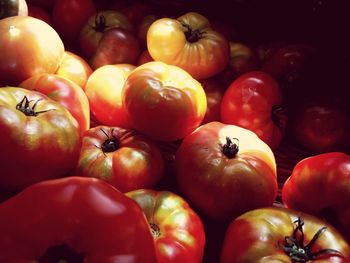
(190,43)
(177,230)
(282,235)
(39,138)
(13,8)
(74,219)
(65,92)
(92,32)
(74,68)
(319,185)
(29,46)
(254,101)
(104,91)
(125,158)
(225,170)
(163,101)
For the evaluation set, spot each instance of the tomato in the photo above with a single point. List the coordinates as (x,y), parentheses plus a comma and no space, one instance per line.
(96,25)
(163,101)
(29,46)
(214,92)
(190,43)
(40,13)
(65,92)
(13,8)
(69,17)
(74,219)
(135,11)
(144,58)
(104,91)
(74,68)
(321,127)
(254,101)
(319,185)
(225,170)
(142,28)
(177,230)
(39,138)
(282,235)
(126,159)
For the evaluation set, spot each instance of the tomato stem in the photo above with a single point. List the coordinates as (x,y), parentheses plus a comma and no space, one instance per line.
(100,23)
(154,230)
(295,248)
(192,35)
(24,106)
(230,149)
(111,144)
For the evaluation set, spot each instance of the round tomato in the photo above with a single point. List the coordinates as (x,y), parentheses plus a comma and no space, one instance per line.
(104,91)
(126,159)
(29,46)
(13,8)
(282,235)
(254,101)
(177,230)
(39,138)
(40,13)
(225,170)
(319,185)
(65,92)
(190,43)
(96,25)
(163,101)
(74,68)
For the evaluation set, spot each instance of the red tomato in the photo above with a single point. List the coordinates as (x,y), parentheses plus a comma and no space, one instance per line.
(13,8)
(74,68)
(254,101)
(65,92)
(144,58)
(177,230)
(163,101)
(40,13)
(104,91)
(319,185)
(96,25)
(126,159)
(39,138)
(190,43)
(135,11)
(225,170)
(74,219)
(29,46)
(282,235)
(69,17)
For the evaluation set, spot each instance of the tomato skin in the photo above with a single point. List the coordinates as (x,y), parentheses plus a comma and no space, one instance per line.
(256,236)
(163,101)
(86,214)
(40,13)
(38,147)
(99,22)
(104,91)
(250,102)
(65,92)
(318,186)
(220,186)
(129,162)
(42,53)
(177,230)
(202,54)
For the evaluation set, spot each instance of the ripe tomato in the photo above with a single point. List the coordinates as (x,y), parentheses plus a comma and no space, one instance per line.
(74,219)
(225,170)
(104,91)
(254,101)
(13,8)
(177,230)
(65,92)
(69,17)
(163,101)
(319,185)
(29,46)
(282,235)
(40,13)
(190,43)
(74,68)
(96,25)
(39,138)
(126,159)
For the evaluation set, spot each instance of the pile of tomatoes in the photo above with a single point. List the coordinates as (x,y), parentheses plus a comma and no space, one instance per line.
(136,131)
